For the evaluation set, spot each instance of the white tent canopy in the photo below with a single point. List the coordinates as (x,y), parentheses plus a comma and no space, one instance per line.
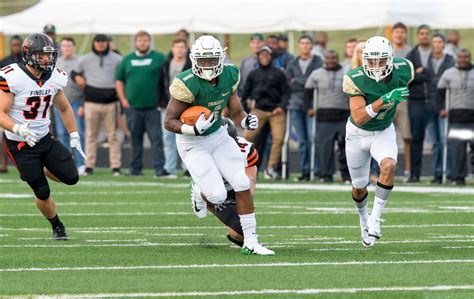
(234,16)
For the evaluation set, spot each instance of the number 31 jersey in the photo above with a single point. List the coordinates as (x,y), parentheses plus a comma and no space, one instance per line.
(32,97)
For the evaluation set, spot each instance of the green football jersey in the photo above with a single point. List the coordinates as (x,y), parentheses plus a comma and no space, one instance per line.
(356,83)
(189,88)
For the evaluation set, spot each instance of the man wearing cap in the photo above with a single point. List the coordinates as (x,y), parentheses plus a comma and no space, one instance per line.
(267,86)
(283,57)
(50,30)
(250,62)
(95,73)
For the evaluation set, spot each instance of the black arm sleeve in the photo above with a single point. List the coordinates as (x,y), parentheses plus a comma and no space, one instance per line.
(441,98)
(308,99)
(248,86)
(285,92)
(161,88)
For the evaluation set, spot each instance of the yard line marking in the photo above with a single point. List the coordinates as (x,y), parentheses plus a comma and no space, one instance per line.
(129,228)
(329,211)
(15,195)
(459,247)
(116,240)
(337,249)
(274,187)
(437,288)
(197,244)
(411,189)
(250,265)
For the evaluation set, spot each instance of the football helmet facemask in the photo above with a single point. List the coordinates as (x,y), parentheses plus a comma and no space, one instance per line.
(207,57)
(377,58)
(36,45)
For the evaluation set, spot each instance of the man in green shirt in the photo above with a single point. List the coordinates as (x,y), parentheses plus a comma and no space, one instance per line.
(136,84)
(374,90)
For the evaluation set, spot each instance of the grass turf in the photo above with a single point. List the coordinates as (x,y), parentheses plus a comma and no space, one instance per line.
(139,235)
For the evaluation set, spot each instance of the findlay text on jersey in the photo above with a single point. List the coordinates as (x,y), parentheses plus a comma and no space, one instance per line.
(41,92)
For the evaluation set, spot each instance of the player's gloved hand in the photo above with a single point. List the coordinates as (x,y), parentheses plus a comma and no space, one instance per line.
(75,143)
(397,95)
(22,130)
(250,122)
(202,124)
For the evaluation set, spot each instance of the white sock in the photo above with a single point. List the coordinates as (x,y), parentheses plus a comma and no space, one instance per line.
(382,193)
(363,210)
(249,227)
(379,205)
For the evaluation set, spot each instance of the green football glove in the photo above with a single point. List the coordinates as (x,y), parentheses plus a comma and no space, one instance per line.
(397,95)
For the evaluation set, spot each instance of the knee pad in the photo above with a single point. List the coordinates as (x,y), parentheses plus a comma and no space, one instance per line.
(72,180)
(360,183)
(241,182)
(42,192)
(216,195)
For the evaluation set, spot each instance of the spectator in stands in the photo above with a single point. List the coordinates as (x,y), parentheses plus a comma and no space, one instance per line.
(168,71)
(402,119)
(136,84)
(15,52)
(283,57)
(399,40)
(332,113)
(438,62)
(348,54)
(15,56)
(297,72)
(419,101)
(250,62)
(75,95)
(357,57)
(272,43)
(50,30)
(319,47)
(460,82)
(184,35)
(267,86)
(452,47)
(95,73)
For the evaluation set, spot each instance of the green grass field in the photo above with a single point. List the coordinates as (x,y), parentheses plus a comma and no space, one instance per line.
(135,237)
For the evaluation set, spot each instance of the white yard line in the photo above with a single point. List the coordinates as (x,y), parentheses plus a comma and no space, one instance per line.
(438,288)
(312,211)
(198,244)
(134,228)
(348,188)
(251,265)
(274,187)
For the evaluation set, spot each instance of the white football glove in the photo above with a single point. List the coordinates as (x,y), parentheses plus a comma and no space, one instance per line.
(75,143)
(22,130)
(250,122)
(202,124)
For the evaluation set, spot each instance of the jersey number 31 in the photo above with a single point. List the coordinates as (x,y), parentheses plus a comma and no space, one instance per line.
(35,103)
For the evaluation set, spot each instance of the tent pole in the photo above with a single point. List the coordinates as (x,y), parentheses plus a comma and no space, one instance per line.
(227,44)
(192,37)
(2,44)
(291,42)
(85,42)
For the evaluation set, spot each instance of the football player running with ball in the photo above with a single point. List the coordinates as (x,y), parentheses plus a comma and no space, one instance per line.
(375,89)
(208,152)
(28,90)
(227,211)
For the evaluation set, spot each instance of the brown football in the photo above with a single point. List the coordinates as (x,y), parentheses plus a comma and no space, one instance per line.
(191,115)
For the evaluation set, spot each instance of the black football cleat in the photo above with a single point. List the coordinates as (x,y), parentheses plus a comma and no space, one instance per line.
(59,233)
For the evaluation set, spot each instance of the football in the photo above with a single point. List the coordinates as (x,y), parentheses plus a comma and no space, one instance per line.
(191,115)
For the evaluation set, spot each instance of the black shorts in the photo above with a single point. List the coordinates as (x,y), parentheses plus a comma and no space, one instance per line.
(227,213)
(49,153)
